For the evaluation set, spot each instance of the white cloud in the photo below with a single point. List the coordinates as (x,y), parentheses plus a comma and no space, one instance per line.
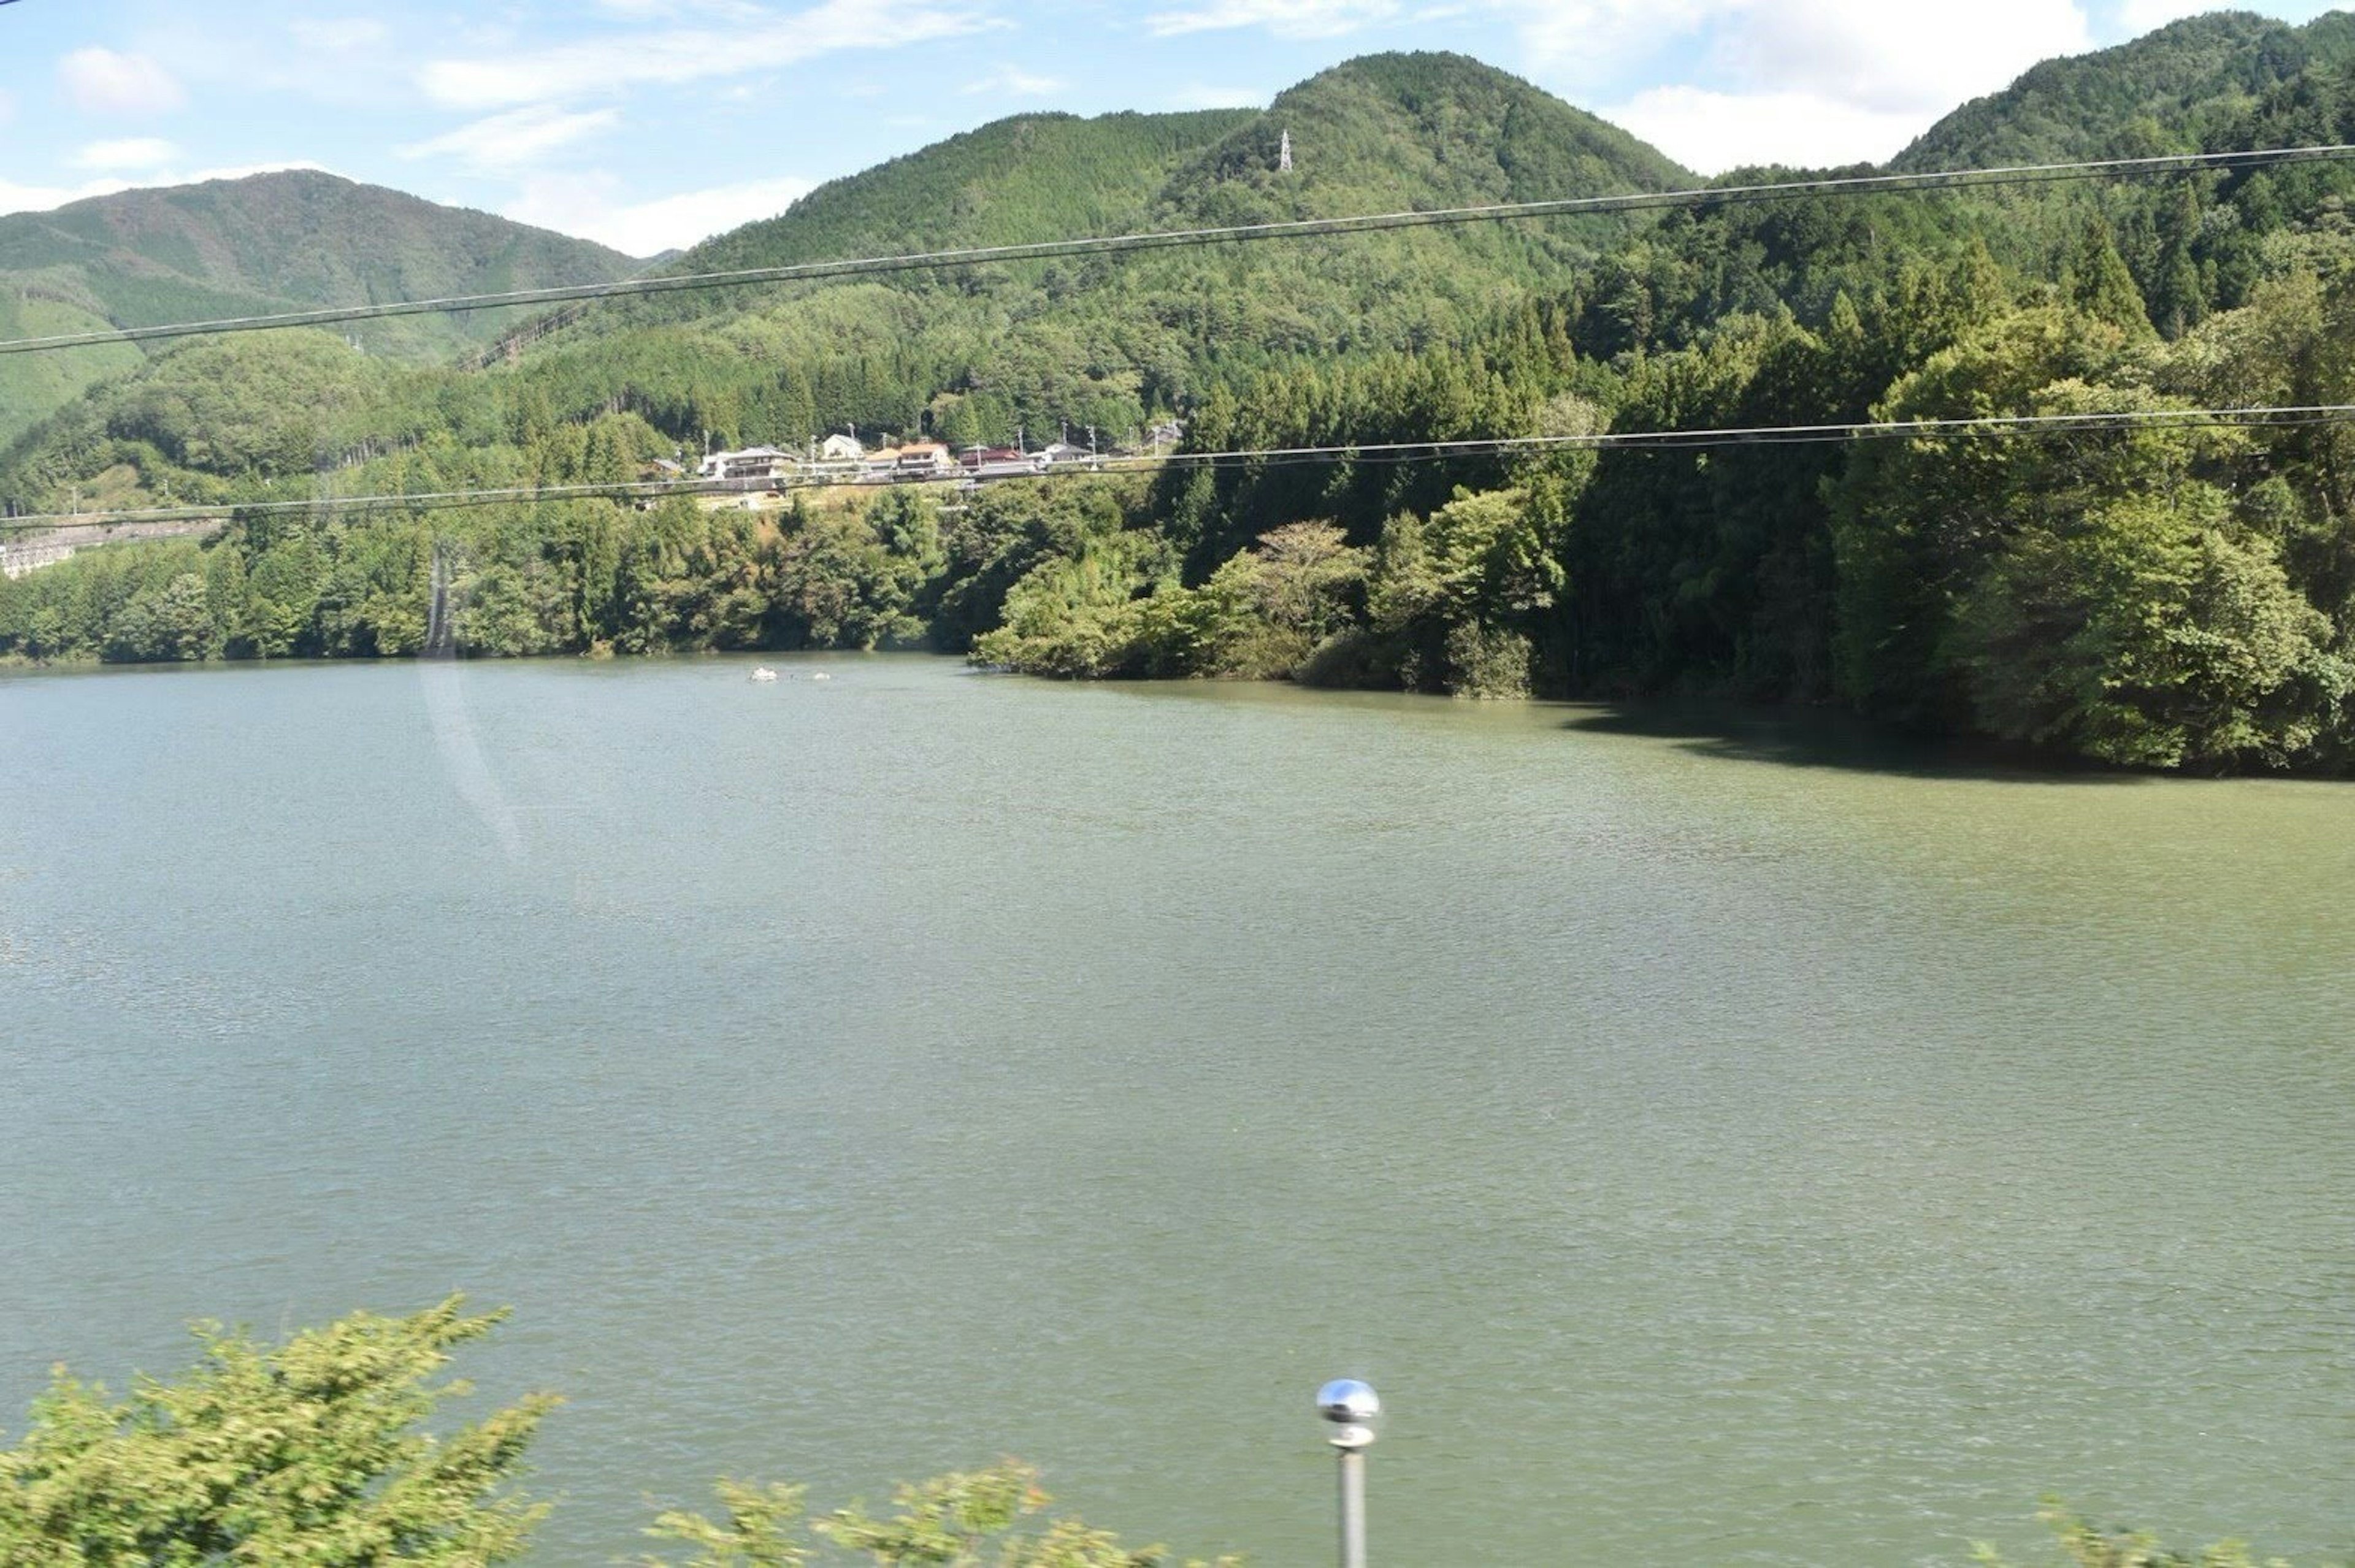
(1202,95)
(1811,82)
(587,205)
(1593,41)
(1713,132)
(1018,83)
(105,82)
(1871,55)
(1284,18)
(342,35)
(131,153)
(515,139)
(2137,17)
(681,55)
(733,10)
(42,199)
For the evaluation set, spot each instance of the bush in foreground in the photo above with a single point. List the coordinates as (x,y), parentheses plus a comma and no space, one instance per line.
(2088,1546)
(310,1452)
(317,1452)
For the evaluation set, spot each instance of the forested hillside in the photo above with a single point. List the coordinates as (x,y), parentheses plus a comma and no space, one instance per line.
(270,242)
(979,355)
(2165,92)
(2177,597)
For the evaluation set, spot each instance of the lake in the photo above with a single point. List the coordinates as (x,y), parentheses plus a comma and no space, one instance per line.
(1721,1139)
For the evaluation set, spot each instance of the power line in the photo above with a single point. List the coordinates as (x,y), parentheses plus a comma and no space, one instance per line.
(2025,425)
(1164,239)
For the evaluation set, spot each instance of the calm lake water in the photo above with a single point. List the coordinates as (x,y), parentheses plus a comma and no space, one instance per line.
(1719,1145)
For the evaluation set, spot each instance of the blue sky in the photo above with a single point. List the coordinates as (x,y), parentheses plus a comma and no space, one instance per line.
(650,123)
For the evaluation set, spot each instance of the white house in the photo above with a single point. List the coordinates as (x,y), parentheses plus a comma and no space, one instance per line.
(753,463)
(840,449)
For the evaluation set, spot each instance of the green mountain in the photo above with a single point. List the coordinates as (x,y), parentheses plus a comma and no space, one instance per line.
(271,242)
(1014,180)
(1377,132)
(2168,91)
(971,354)
(2149,595)
(979,354)
(1413,130)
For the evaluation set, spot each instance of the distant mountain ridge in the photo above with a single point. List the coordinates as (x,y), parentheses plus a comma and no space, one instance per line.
(981,355)
(1017,179)
(1107,340)
(288,241)
(2140,591)
(1390,130)
(2154,94)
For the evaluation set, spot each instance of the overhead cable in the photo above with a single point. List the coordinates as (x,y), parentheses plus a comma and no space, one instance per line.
(1164,239)
(1407,452)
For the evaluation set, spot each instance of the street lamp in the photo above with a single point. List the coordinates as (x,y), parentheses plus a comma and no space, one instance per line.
(1352,1407)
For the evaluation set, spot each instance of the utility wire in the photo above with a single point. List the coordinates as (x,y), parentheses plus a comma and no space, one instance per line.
(2023,425)
(1371,223)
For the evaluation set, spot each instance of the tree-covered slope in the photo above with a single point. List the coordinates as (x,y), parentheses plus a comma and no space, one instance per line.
(1028,177)
(1393,130)
(270,242)
(1377,132)
(2160,93)
(298,237)
(2153,595)
(981,354)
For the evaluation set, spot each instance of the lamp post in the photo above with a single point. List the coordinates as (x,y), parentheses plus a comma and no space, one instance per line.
(1352,1407)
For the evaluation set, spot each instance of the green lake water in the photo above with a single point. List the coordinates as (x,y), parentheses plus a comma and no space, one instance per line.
(1719,1142)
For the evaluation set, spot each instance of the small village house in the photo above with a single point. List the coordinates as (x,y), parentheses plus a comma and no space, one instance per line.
(760,463)
(923,460)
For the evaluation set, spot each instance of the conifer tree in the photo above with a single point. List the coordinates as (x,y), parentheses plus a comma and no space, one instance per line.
(2102,286)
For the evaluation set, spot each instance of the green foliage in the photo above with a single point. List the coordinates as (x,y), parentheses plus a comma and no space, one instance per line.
(325,1450)
(2116,101)
(2143,632)
(1454,598)
(2160,597)
(970,1519)
(2139,596)
(2085,1545)
(1075,616)
(270,243)
(315,1451)
(1913,520)
(1446,603)
(760,1528)
(2101,286)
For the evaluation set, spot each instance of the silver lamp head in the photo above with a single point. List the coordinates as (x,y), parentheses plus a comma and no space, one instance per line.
(1351,1406)
(1346,1400)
